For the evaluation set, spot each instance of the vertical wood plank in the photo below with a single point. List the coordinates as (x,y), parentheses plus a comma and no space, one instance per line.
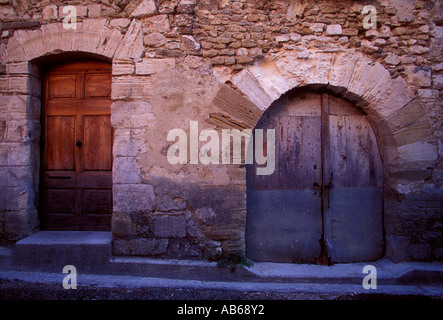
(97,148)
(60,134)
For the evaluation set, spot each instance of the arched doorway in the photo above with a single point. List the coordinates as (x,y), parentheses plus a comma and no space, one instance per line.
(76,153)
(326,193)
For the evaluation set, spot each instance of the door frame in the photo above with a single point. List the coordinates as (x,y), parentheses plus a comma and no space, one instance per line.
(60,62)
(323,257)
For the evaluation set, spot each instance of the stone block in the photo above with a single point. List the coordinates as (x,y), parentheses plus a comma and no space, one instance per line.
(122,143)
(419,76)
(50,12)
(81,11)
(14,105)
(221,60)
(295,37)
(17,222)
(126,170)
(438,81)
(189,43)
(168,203)
(334,30)
(120,23)
(428,93)
(157,24)
(282,38)
(122,68)
(112,40)
(392,59)
(249,85)
(236,106)
(121,90)
(2,205)
(397,248)
(317,27)
(4,149)
(19,84)
(419,252)
(131,87)
(186,6)
(122,226)
(20,176)
(17,68)
(151,66)
(134,114)
(133,198)
(94,10)
(4,179)
(169,226)
(4,84)
(418,50)
(418,151)
(7,13)
(140,246)
(154,40)
(14,51)
(131,142)
(396,96)
(15,131)
(132,44)
(20,154)
(412,133)
(146,9)
(407,115)
(52,36)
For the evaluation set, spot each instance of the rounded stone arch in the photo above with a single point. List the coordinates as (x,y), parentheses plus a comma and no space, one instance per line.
(25,57)
(91,36)
(390,105)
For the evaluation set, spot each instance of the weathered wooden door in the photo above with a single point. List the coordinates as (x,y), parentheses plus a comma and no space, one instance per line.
(326,189)
(76,179)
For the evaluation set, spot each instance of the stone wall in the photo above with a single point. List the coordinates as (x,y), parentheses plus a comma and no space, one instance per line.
(222,63)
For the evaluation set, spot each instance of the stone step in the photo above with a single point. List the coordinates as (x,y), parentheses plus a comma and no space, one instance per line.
(91,253)
(50,251)
(6,254)
(177,269)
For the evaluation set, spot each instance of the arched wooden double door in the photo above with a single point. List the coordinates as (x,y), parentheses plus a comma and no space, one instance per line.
(77,137)
(326,189)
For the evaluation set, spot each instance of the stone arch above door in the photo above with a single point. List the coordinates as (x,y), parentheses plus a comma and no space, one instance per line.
(398,119)
(390,104)
(91,36)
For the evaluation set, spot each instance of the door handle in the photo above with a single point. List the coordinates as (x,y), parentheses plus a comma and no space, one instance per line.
(78,144)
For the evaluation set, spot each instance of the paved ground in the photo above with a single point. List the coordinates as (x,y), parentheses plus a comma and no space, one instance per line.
(48,286)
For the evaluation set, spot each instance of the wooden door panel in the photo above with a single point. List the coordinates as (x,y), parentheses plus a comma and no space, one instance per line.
(60,143)
(77,178)
(97,85)
(353,207)
(62,86)
(327,184)
(97,201)
(83,107)
(283,225)
(284,221)
(97,150)
(60,200)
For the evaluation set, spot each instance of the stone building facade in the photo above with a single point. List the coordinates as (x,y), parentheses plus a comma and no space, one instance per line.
(223,63)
